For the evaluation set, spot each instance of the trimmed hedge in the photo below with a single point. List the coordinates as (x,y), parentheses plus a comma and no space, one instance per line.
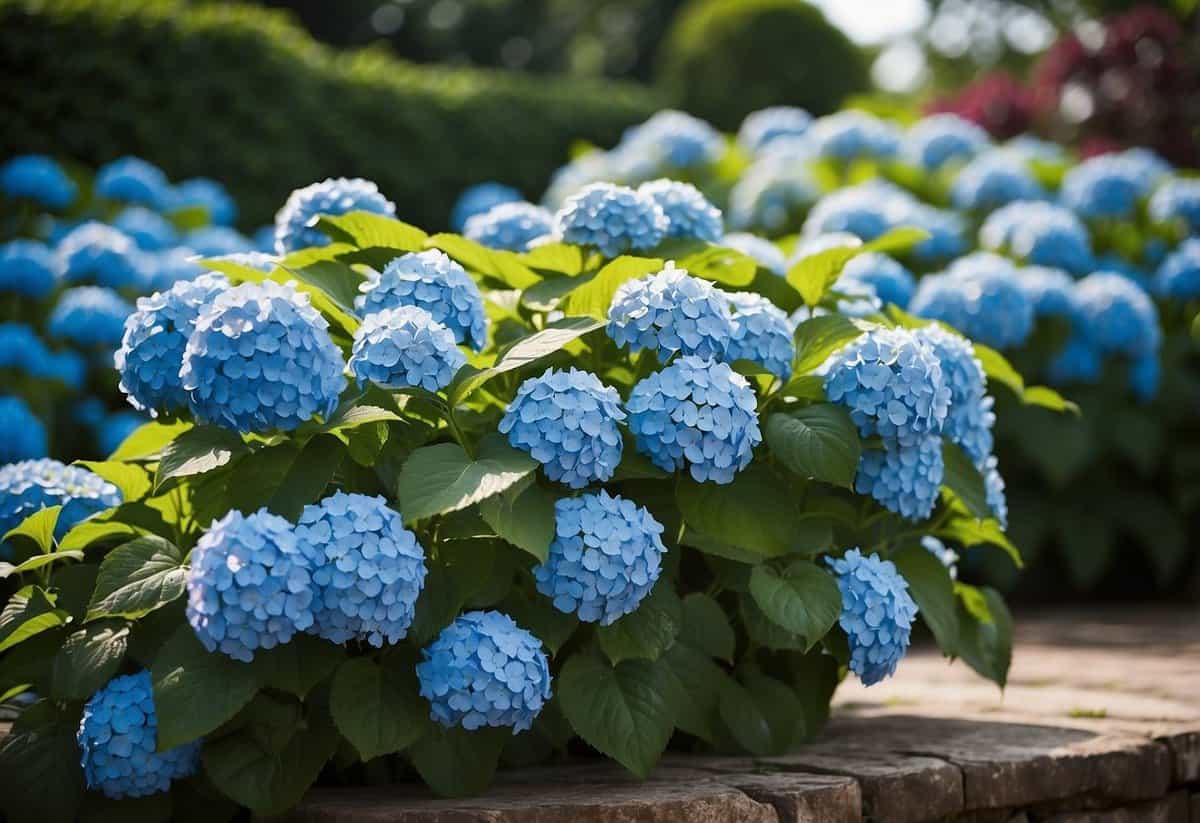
(243,95)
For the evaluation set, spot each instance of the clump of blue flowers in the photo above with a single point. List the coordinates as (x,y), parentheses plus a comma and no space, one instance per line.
(689,213)
(904,479)
(1040,234)
(97,253)
(22,434)
(510,226)
(772,196)
(201,192)
(1177,200)
(762,333)
(148,229)
(877,613)
(970,419)
(852,134)
(38,178)
(28,268)
(979,295)
(614,219)
(402,347)
(861,210)
(1051,291)
(90,316)
(994,180)
(329,197)
(671,140)
(1108,185)
(890,280)
(133,180)
(766,125)
(479,199)
(485,670)
(670,312)
(1179,274)
(1118,316)
(939,139)
(31,485)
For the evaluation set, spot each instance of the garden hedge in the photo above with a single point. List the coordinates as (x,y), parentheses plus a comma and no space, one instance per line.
(243,95)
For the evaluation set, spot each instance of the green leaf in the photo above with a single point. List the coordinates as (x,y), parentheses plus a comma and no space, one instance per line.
(818,441)
(198,450)
(819,337)
(803,599)
(133,480)
(964,480)
(299,665)
(805,387)
(744,718)
(337,280)
(90,532)
(556,257)
(38,527)
(442,478)
(967,531)
(524,518)
(897,240)
(40,777)
(88,659)
(813,275)
(721,265)
(365,230)
(646,632)
(357,413)
(148,440)
(1048,398)
(377,708)
(997,368)
(593,298)
(623,711)
(27,613)
(987,647)
(504,266)
(930,585)
(195,690)
(456,762)
(706,626)
(36,562)
(538,615)
(696,687)
(137,578)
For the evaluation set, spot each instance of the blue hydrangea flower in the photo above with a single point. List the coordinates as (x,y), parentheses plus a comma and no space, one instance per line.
(852,134)
(947,230)
(1110,185)
(689,214)
(772,196)
(993,482)
(765,125)
(21,349)
(149,230)
(32,485)
(37,177)
(979,295)
(113,430)
(27,267)
(614,219)
(1126,268)
(249,586)
(259,359)
(170,266)
(405,346)
(1028,147)
(1040,234)
(698,414)
(994,180)
(765,253)
(22,435)
(762,333)
(1079,361)
(1145,375)
(485,670)
(118,738)
(431,281)
(133,180)
(567,421)
(67,367)
(861,210)
(215,241)
(100,254)
(1177,200)
(892,384)
(264,239)
(945,555)
(510,226)
(90,316)
(970,419)
(605,558)
(903,478)
(207,194)
(939,139)
(672,140)
(155,336)
(670,312)
(367,569)
(890,280)
(479,199)
(1051,291)
(1118,315)
(332,196)
(877,613)
(1179,274)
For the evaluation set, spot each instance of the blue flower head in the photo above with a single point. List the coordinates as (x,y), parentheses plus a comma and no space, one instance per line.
(90,316)
(993,483)
(697,414)
(689,214)
(947,230)
(903,478)
(21,349)
(765,253)
(170,266)
(1040,234)
(260,359)
(939,139)
(479,199)
(33,485)
(1177,200)
(567,421)
(431,281)
(1079,361)
(402,347)
(133,180)
(66,366)
(1118,316)
(994,180)
(853,134)
(113,429)
(98,253)
(979,295)
(1179,274)
(892,384)
(294,227)
(249,586)
(37,177)
(27,267)
(1051,291)
(118,739)
(877,613)
(510,226)
(672,140)
(970,420)
(670,312)
(614,219)
(1108,185)
(1027,147)
(485,670)
(762,333)
(772,196)
(22,435)
(862,210)
(149,230)
(1145,375)
(890,280)
(206,194)
(765,125)
(605,558)
(367,569)
(151,352)
(215,241)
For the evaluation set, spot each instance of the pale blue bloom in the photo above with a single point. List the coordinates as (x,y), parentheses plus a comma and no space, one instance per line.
(509,226)
(1179,274)
(671,140)
(207,194)
(939,139)
(479,199)
(403,347)
(37,177)
(980,296)
(853,134)
(1079,361)
(889,279)
(28,267)
(1051,291)
(90,316)
(22,434)
(133,180)
(1040,234)
(149,230)
(1177,199)
(877,613)
(772,196)
(1118,316)
(32,485)
(689,214)
(904,479)
(993,180)
(614,219)
(772,123)
(970,419)
(100,254)
(762,334)
(670,312)
(215,241)
(333,196)
(1110,185)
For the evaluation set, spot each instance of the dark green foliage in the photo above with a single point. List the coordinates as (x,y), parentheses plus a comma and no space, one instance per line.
(723,60)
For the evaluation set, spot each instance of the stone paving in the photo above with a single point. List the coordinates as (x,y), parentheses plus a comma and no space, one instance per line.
(1100,723)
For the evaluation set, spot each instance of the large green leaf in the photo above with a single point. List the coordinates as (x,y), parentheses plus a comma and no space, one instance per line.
(706,626)
(819,337)
(198,450)
(377,708)
(968,531)
(149,439)
(37,561)
(337,280)
(504,266)
(131,479)
(930,585)
(40,776)
(802,598)
(744,718)
(593,298)
(696,688)
(646,632)
(29,612)
(818,441)
(365,230)
(442,478)
(298,666)
(987,646)
(88,659)
(964,480)
(523,517)
(813,275)
(38,528)
(720,264)
(456,762)
(137,578)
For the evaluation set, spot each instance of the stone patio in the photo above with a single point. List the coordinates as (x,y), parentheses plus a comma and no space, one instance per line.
(1100,723)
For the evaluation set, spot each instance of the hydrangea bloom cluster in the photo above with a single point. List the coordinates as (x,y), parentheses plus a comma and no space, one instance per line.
(614,219)
(133,180)
(762,333)
(151,352)
(764,252)
(430,280)
(510,226)
(859,210)
(485,670)
(891,281)
(1051,291)
(852,134)
(947,230)
(1179,274)
(978,295)
(367,569)
(37,177)
(689,214)
(772,196)
(1077,362)
(98,253)
(118,736)
(696,413)
(605,558)
(1041,234)
(249,586)
(904,479)
(939,139)
(149,230)
(259,359)
(1108,185)
(672,140)
(670,312)
(405,346)
(877,613)
(329,197)
(32,485)
(201,192)
(994,485)
(970,419)
(567,421)
(479,199)
(1118,316)
(22,435)
(1145,374)
(27,267)
(765,125)
(90,316)
(993,180)
(1177,200)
